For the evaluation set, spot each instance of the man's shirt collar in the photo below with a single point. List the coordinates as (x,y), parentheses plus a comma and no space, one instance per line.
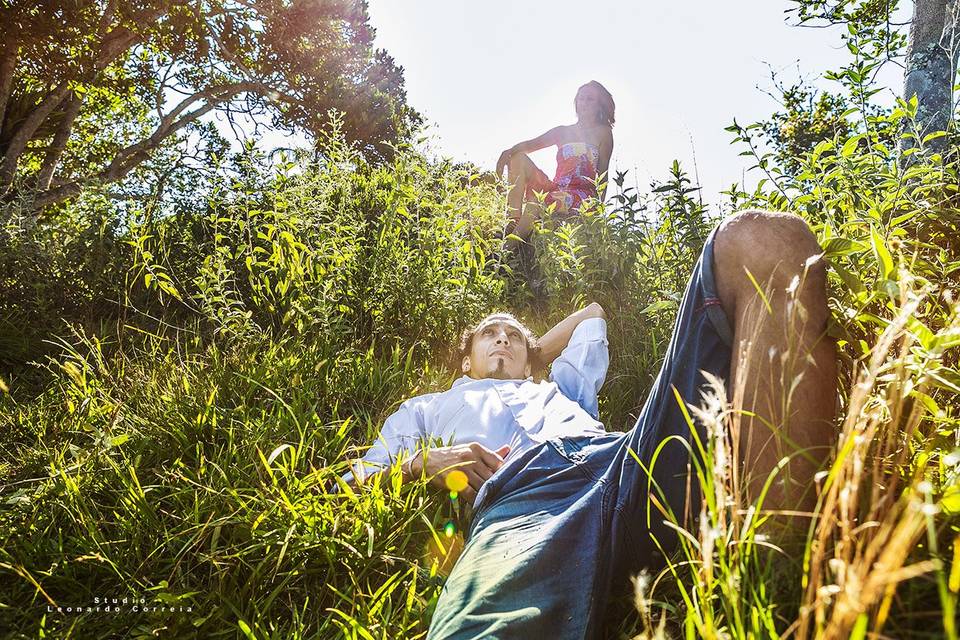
(465,379)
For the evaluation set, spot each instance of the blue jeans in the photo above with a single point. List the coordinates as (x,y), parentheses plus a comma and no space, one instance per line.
(558,529)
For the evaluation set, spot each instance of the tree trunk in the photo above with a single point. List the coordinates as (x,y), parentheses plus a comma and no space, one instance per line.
(8,59)
(113,44)
(8,167)
(931,66)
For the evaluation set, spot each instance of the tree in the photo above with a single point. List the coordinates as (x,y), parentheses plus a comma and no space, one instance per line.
(931,63)
(932,50)
(90,89)
(807,118)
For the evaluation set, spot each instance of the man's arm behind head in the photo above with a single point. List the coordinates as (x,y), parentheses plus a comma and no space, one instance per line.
(555,340)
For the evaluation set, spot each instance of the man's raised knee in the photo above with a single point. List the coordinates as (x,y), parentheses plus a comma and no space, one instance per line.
(773,247)
(766,240)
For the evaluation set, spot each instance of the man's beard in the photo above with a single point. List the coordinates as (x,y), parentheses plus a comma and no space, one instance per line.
(500,373)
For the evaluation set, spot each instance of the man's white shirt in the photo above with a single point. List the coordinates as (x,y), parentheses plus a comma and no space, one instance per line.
(519,413)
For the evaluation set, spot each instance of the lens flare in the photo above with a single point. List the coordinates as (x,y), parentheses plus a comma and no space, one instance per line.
(453,495)
(456,481)
(442,552)
(450,529)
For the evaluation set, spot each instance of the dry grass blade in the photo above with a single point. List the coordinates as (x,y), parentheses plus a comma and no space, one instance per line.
(858,553)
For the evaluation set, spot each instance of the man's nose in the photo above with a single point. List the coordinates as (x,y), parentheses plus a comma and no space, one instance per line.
(502,337)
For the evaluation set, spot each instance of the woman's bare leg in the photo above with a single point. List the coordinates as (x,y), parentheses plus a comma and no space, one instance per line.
(523,226)
(521,216)
(783,371)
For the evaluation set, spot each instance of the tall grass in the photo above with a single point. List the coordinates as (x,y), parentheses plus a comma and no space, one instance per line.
(881,555)
(179,441)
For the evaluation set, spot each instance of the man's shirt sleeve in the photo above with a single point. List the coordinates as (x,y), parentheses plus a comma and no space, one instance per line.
(402,433)
(581,368)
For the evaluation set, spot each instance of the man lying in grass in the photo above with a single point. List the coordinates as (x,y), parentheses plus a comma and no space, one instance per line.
(565,512)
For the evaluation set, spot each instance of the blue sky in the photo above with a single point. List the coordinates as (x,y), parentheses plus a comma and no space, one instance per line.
(489,74)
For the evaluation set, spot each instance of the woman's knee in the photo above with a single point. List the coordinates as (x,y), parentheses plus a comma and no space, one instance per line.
(520,164)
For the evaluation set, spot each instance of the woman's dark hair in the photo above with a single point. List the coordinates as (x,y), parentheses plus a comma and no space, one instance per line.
(533,342)
(607,106)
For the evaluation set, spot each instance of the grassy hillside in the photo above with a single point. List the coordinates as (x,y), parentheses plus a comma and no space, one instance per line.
(181,392)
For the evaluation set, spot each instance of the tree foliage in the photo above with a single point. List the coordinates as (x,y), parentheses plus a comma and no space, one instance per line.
(928,54)
(807,118)
(90,89)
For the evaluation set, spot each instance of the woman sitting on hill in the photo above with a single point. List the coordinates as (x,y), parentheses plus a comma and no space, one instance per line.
(583,154)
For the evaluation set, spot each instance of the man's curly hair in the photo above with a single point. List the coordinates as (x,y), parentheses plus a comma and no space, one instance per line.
(533,342)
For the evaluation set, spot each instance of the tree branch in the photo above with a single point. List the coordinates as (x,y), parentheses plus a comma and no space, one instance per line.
(60,138)
(228,55)
(133,155)
(227,90)
(106,18)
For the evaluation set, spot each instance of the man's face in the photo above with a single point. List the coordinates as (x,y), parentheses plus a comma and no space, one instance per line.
(499,351)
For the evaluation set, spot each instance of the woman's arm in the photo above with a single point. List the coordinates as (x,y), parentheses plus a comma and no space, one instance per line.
(554,341)
(548,139)
(606,150)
